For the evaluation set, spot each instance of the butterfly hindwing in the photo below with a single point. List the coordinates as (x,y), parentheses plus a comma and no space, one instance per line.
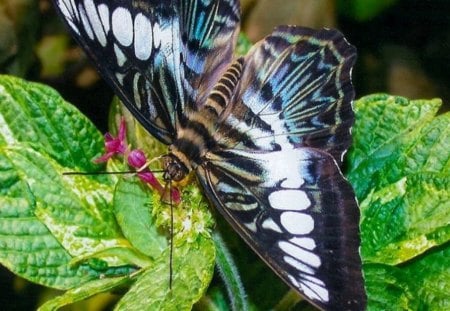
(295,88)
(154,54)
(275,173)
(298,213)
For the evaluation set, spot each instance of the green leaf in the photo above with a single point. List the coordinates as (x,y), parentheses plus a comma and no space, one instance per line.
(35,114)
(418,285)
(87,290)
(399,167)
(133,207)
(50,221)
(193,263)
(74,208)
(387,288)
(429,278)
(406,218)
(27,247)
(193,259)
(386,132)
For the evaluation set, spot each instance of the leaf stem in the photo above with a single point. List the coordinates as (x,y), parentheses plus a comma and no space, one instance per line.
(289,300)
(230,275)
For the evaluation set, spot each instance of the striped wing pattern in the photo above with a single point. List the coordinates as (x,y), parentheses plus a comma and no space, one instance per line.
(297,81)
(161,57)
(300,217)
(275,174)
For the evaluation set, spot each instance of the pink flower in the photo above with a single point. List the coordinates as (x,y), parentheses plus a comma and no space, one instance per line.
(114,145)
(176,195)
(147,177)
(136,159)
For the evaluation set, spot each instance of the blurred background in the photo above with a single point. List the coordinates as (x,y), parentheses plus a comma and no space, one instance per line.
(403,49)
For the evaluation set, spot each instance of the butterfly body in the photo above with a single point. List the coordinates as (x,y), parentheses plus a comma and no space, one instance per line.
(265,134)
(197,134)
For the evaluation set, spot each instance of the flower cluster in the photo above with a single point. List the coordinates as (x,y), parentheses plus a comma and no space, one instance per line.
(137,159)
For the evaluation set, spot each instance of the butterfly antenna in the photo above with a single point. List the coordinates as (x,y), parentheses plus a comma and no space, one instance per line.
(171,236)
(109,173)
(99,173)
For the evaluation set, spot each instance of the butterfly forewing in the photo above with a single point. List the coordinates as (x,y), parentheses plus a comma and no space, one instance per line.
(161,57)
(210,28)
(275,173)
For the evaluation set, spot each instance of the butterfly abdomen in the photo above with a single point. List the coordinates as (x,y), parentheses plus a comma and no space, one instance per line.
(223,90)
(196,135)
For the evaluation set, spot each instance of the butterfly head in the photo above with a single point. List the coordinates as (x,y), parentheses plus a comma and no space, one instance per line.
(174,169)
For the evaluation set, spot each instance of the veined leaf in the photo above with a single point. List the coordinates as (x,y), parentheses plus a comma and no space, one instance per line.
(387,289)
(36,114)
(133,208)
(399,166)
(193,258)
(193,263)
(429,278)
(386,132)
(27,247)
(421,284)
(406,218)
(74,208)
(87,290)
(50,222)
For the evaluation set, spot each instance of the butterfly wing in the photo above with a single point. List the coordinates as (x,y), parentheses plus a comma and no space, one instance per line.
(160,57)
(275,175)
(295,89)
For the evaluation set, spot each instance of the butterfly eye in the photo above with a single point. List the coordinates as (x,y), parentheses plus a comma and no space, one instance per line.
(174,170)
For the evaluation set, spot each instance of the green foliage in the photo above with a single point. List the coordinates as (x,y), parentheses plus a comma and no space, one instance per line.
(35,115)
(132,207)
(80,233)
(193,262)
(20,23)
(38,138)
(230,275)
(362,10)
(243,45)
(399,166)
(93,234)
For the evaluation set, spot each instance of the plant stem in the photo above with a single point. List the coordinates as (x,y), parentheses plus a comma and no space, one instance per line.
(230,275)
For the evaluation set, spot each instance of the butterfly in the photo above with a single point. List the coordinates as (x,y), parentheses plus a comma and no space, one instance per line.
(265,133)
